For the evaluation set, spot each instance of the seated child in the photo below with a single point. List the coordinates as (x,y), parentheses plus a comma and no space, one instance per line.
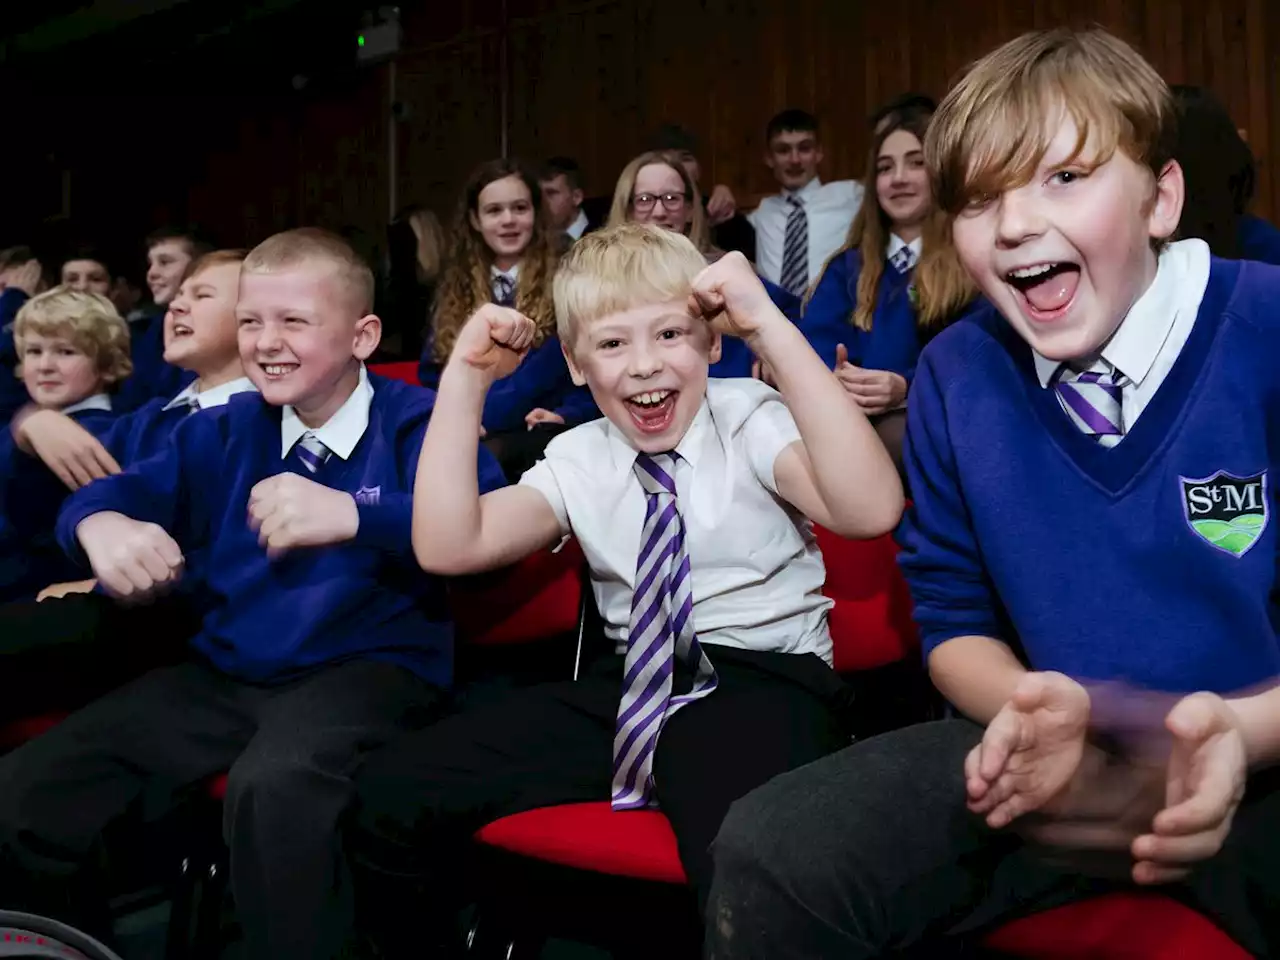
(690,499)
(501,252)
(657,187)
(322,640)
(1090,461)
(73,348)
(79,642)
(21,278)
(170,253)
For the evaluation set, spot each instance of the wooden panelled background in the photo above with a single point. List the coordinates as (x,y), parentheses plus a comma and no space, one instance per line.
(592,78)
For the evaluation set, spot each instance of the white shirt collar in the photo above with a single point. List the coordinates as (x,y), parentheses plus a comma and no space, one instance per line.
(513,274)
(99,401)
(806,192)
(1132,349)
(896,243)
(213,397)
(623,454)
(341,432)
(578,227)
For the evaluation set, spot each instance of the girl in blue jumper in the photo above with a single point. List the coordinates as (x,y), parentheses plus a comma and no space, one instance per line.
(895,281)
(501,252)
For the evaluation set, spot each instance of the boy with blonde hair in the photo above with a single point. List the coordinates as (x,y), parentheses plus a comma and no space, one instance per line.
(690,499)
(321,640)
(1090,553)
(73,349)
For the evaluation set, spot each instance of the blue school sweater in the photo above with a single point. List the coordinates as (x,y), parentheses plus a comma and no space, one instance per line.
(541,380)
(271,620)
(892,343)
(1259,240)
(151,377)
(30,497)
(1153,562)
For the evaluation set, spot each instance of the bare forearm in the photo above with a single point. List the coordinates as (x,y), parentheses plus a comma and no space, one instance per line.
(1260,722)
(852,471)
(978,675)
(446,502)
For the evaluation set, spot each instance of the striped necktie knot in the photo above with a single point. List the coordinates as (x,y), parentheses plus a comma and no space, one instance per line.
(657,473)
(504,290)
(1094,400)
(312,451)
(903,260)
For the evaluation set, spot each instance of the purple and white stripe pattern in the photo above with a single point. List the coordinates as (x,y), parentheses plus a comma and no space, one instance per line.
(312,451)
(795,250)
(661,629)
(1094,400)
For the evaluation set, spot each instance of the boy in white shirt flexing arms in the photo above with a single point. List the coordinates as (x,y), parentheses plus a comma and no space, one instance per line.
(690,501)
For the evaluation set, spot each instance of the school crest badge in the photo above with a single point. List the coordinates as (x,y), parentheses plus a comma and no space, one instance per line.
(369,496)
(1226,511)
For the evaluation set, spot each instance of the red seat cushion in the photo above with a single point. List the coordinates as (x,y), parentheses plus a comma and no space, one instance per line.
(406,371)
(1119,925)
(18,732)
(590,836)
(871,623)
(216,788)
(537,598)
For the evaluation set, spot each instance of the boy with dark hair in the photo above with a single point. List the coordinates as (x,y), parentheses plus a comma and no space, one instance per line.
(561,182)
(1090,461)
(798,229)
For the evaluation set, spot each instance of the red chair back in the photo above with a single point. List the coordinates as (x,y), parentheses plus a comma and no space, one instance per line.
(871,623)
(406,371)
(537,598)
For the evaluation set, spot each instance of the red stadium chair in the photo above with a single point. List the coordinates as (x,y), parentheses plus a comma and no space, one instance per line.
(406,371)
(18,732)
(870,627)
(1119,926)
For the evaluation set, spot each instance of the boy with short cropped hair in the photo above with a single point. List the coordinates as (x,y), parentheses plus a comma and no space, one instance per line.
(170,252)
(800,227)
(322,638)
(1090,553)
(73,348)
(690,501)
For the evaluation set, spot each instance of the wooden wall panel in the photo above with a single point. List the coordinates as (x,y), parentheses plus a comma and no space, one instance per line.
(593,79)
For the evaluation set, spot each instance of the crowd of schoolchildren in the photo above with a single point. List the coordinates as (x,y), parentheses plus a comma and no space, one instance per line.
(1040,323)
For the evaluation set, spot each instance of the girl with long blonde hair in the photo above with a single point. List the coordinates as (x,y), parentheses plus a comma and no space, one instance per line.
(896,280)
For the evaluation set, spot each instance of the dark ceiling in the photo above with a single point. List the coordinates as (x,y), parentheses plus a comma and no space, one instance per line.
(100,47)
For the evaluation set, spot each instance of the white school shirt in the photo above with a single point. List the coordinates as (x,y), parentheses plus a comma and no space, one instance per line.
(342,431)
(830,209)
(212,397)
(1154,331)
(512,275)
(98,401)
(756,568)
(579,226)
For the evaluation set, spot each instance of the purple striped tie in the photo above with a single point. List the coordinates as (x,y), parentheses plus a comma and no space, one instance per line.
(1094,401)
(661,629)
(312,451)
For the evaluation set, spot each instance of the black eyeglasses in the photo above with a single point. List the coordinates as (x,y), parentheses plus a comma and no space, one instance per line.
(643,202)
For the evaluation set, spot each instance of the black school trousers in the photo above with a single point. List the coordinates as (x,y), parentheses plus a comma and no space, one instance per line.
(61,653)
(421,798)
(291,750)
(871,851)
